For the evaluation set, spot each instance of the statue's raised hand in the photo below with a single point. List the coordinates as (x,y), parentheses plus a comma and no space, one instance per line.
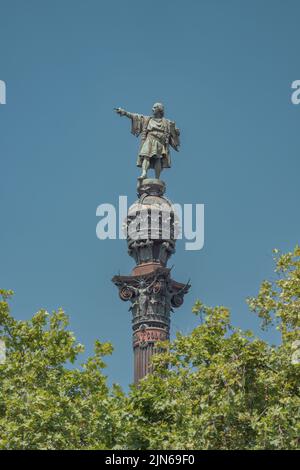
(120,111)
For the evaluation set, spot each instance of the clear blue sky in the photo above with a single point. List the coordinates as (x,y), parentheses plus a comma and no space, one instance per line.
(223,70)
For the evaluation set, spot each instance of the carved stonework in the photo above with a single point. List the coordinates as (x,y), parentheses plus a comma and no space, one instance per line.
(150,290)
(152,298)
(145,335)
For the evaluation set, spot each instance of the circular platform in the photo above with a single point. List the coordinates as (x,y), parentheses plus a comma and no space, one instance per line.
(151,186)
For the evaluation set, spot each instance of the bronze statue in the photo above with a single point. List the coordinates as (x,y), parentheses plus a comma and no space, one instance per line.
(157,134)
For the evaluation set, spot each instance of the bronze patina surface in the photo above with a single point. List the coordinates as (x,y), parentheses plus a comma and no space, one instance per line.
(157,135)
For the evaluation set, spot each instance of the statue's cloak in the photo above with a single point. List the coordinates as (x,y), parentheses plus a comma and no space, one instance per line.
(139,124)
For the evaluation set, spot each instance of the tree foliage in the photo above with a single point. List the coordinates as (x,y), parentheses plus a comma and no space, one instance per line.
(216,388)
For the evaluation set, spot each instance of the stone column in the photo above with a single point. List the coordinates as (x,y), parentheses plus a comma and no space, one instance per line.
(151,236)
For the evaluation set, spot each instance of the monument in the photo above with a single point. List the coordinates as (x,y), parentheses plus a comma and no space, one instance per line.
(152,228)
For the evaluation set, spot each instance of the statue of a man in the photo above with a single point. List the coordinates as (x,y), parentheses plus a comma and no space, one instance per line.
(157,134)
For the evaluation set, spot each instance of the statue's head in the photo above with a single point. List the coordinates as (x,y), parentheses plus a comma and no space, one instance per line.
(158,110)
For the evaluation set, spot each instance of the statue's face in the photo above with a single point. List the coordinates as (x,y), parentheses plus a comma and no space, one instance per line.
(158,110)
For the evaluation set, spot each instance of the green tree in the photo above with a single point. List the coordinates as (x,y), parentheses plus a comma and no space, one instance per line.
(43,403)
(216,388)
(222,388)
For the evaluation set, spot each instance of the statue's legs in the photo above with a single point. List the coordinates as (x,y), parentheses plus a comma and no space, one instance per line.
(157,167)
(145,167)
